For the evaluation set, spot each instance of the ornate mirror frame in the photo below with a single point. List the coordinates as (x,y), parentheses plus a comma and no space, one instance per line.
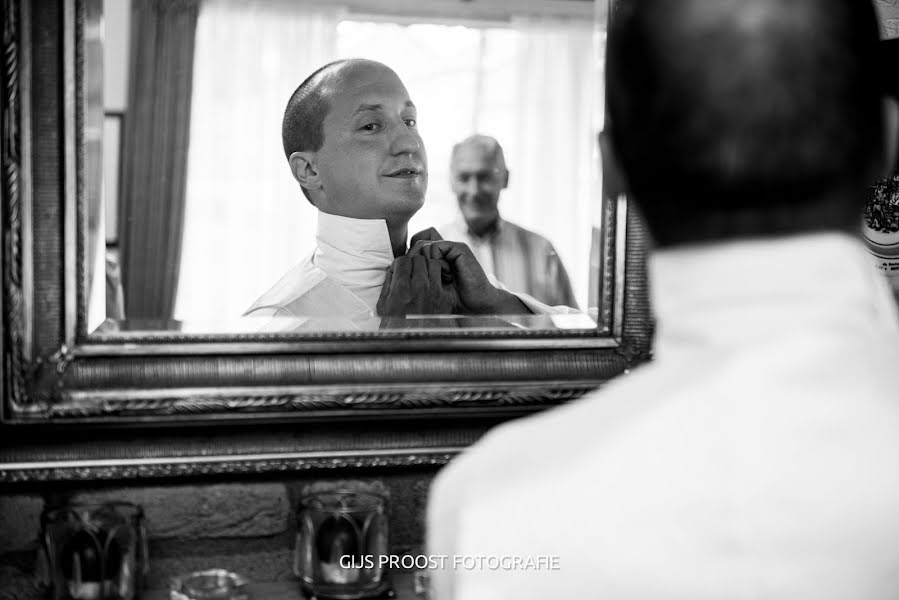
(80,407)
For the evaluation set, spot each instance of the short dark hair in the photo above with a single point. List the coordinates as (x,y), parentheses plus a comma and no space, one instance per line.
(737,117)
(302,129)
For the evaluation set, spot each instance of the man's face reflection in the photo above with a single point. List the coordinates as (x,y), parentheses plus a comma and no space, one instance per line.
(477,180)
(373,161)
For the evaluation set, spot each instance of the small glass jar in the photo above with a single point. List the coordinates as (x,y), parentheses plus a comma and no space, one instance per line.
(93,551)
(342,541)
(214,584)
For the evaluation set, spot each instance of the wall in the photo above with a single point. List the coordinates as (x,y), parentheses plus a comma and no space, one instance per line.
(888,11)
(247,527)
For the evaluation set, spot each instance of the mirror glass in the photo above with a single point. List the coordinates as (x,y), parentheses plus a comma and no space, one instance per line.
(194,216)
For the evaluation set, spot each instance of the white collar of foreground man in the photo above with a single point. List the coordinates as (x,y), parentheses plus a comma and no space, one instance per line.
(355,252)
(751,290)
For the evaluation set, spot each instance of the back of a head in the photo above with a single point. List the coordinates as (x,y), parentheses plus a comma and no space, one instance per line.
(741,118)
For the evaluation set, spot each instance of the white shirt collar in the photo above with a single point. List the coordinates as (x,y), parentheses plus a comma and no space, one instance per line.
(751,290)
(355,252)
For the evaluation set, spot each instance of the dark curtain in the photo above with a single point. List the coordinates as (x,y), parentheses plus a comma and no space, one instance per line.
(154,154)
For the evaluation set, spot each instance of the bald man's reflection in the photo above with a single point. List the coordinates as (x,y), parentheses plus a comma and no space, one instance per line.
(351,138)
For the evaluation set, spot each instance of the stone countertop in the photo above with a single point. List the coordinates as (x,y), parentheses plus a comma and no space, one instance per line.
(403,584)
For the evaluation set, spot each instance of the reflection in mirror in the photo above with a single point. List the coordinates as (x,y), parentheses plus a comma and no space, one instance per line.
(203,216)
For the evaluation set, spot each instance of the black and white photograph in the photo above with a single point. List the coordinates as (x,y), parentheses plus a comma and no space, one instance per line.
(449,299)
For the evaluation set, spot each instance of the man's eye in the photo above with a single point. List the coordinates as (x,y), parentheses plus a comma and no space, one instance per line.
(410,122)
(371,127)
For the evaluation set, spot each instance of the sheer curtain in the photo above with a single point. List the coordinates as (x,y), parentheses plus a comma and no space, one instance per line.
(553,158)
(247,221)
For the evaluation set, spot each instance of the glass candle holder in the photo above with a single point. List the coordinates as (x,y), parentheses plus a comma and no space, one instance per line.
(214,584)
(94,551)
(341,539)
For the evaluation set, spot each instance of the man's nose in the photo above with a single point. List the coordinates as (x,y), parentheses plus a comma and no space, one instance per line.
(471,186)
(405,141)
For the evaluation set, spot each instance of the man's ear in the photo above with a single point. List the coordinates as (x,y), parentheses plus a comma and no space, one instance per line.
(305,170)
(891,136)
(506,179)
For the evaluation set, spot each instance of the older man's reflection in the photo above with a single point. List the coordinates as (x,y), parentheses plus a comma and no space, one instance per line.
(351,139)
(522,260)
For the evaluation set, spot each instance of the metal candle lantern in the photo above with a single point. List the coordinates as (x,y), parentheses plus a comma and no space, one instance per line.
(341,538)
(94,551)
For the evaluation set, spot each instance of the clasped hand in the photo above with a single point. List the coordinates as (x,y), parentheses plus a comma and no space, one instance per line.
(438,277)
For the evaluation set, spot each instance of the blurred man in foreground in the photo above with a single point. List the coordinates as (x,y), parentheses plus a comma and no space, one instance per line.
(758,455)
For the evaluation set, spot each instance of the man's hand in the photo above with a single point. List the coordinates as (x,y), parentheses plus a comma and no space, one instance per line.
(464,281)
(413,286)
(427,235)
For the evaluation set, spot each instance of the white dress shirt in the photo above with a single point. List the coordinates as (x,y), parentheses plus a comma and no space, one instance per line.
(340,283)
(756,457)
(342,278)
